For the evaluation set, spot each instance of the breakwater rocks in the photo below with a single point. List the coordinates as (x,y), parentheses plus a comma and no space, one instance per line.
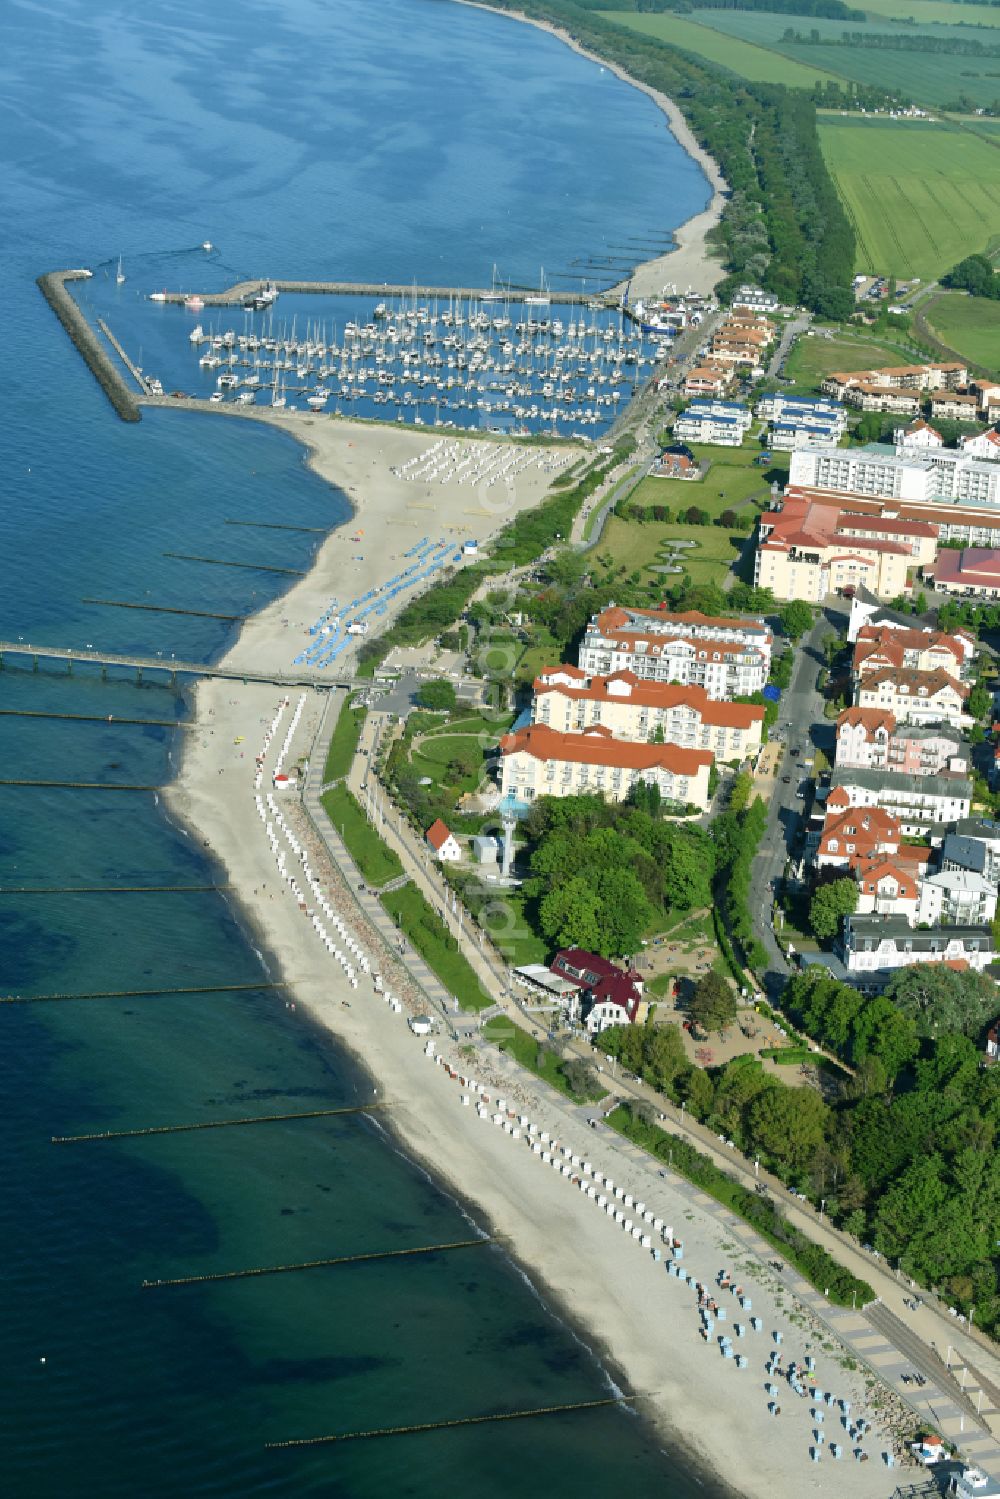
(52,286)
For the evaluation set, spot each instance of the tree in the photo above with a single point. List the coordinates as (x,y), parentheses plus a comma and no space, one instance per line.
(796,619)
(438,696)
(663,1057)
(940,1000)
(568,915)
(978,702)
(623,913)
(789,1124)
(832,902)
(580,1077)
(713,1003)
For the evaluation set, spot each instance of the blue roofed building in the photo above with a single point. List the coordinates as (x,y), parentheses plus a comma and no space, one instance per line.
(802,421)
(718,423)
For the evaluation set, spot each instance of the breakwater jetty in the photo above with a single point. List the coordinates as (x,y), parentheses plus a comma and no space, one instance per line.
(52,286)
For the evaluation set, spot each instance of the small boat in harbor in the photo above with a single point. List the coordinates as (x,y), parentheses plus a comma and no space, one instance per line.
(157,296)
(193,303)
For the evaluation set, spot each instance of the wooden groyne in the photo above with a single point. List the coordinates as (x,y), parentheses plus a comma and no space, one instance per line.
(249,988)
(242,290)
(425,1426)
(52,286)
(341,1259)
(201,1124)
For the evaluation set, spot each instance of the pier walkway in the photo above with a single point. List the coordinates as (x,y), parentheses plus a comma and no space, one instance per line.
(236,294)
(303,677)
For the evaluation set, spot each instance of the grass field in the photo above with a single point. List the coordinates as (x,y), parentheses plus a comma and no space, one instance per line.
(377,862)
(733,478)
(970,325)
(929,12)
(812,359)
(637,546)
(343,742)
(927,78)
(921,196)
(755,63)
(429,936)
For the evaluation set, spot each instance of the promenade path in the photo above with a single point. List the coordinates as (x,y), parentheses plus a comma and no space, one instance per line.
(960,1366)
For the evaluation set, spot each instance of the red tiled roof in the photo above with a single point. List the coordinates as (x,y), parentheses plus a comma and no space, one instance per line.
(437,835)
(662,695)
(932,681)
(869,719)
(594,748)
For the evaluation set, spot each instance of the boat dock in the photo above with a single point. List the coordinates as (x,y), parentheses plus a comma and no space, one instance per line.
(296,678)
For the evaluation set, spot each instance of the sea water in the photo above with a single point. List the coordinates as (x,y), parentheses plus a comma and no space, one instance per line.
(370,138)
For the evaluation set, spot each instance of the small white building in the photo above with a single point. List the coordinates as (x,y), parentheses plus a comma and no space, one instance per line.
(444,843)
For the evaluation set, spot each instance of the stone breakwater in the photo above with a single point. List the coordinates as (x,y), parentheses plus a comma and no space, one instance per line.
(52,286)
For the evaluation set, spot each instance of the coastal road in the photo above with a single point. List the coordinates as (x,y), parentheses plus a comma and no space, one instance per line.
(791,331)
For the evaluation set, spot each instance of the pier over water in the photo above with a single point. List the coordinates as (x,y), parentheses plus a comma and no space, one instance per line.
(303,677)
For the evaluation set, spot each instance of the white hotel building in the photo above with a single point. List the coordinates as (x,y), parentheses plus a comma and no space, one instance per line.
(727,657)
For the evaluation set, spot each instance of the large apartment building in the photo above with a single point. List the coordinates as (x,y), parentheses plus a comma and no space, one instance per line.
(877,648)
(538,761)
(927,476)
(807,549)
(569,700)
(919,803)
(727,657)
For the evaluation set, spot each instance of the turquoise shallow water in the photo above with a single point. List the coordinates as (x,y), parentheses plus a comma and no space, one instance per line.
(392,137)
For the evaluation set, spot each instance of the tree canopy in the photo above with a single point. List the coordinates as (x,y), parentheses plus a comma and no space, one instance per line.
(713,1003)
(830,904)
(942,1001)
(439,696)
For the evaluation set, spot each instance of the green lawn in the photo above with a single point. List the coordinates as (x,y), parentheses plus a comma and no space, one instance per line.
(920,195)
(504,921)
(439,950)
(638,545)
(934,78)
(343,743)
(754,63)
(970,326)
(522,1046)
(731,481)
(812,359)
(376,861)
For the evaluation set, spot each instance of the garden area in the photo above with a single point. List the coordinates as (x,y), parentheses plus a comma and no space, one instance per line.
(441,758)
(706,553)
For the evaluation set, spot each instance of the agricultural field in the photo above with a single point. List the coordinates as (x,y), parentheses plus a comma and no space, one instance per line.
(920,195)
(931,12)
(969,325)
(754,63)
(935,78)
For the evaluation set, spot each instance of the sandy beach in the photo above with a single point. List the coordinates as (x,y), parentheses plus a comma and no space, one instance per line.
(645,1323)
(690,266)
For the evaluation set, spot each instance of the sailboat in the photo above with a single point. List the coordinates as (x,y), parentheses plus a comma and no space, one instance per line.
(120,274)
(541,297)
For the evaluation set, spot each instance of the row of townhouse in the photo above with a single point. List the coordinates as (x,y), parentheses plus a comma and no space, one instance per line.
(570,700)
(741,341)
(727,657)
(913,377)
(872,739)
